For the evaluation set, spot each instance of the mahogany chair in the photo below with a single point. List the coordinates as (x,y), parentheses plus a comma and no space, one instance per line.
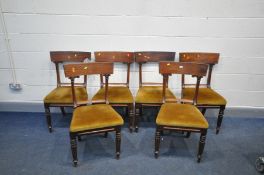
(207,97)
(181,117)
(150,93)
(118,93)
(92,119)
(61,96)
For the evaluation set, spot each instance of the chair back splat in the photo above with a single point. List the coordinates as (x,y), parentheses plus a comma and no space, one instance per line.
(115,57)
(194,69)
(73,71)
(200,57)
(58,57)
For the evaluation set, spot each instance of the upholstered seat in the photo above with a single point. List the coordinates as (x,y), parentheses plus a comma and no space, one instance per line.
(206,96)
(94,117)
(64,95)
(181,115)
(153,94)
(116,94)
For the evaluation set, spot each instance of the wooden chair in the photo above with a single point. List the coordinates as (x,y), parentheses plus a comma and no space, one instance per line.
(150,93)
(118,93)
(61,96)
(181,117)
(207,97)
(92,119)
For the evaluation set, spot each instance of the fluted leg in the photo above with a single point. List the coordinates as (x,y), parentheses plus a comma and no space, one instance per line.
(201,145)
(220,118)
(118,141)
(157,142)
(48,116)
(62,111)
(74,149)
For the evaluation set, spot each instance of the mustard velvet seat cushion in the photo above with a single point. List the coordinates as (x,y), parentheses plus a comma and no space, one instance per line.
(153,94)
(116,94)
(206,96)
(64,95)
(181,115)
(94,117)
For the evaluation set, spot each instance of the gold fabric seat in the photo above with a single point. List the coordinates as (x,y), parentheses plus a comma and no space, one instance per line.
(64,95)
(153,94)
(94,117)
(116,94)
(206,96)
(181,115)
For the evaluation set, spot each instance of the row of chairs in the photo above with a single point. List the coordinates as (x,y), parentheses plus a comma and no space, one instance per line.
(102,117)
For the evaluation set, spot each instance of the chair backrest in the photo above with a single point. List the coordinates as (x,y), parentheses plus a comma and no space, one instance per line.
(151,56)
(200,57)
(73,71)
(195,69)
(115,57)
(58,57)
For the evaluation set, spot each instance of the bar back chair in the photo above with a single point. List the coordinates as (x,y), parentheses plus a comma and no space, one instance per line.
(207,97)
(181,116)
(61,96)
(119,93)
(92,119)
(150,93)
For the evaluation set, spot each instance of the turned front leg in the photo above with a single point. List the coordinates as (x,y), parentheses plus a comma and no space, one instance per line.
(74,148)
(220,118)
(201,145)
(118,141)
(157,142)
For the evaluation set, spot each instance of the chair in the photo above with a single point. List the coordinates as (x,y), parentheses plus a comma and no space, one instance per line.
(150,93)
(207,97)
(92,119)
(118,93)
(181,117)
(61,96)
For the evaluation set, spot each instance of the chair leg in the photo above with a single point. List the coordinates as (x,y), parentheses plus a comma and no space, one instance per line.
(201,145)
(188,134)
(48,117)
(130,108)
(220,118)
(141,110)
(203,110)
(105,134)
(137,114)
(79,138)
(118,141)
(127,111)
(157,142)
(62,111)
(74,149)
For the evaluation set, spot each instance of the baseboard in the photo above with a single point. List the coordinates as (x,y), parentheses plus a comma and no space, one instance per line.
(240,111)
(25,107)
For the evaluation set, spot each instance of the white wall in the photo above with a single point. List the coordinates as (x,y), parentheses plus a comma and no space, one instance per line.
(234,28)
